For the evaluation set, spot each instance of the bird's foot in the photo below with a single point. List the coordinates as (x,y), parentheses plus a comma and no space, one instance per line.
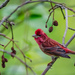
(53,60)
(50,64)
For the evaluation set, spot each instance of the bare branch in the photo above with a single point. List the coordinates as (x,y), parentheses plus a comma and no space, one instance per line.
(4,4)
(48,67)
(22,52)
(62,12)
(70,40)
(71,28)
(51,13)
(71,16)
(63,42)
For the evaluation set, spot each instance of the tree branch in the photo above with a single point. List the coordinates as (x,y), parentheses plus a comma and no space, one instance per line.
(63,42)
(71,16)
(4,4)
(70,40)
(71,28)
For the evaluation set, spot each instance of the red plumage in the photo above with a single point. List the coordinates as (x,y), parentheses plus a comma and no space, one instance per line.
(50,46)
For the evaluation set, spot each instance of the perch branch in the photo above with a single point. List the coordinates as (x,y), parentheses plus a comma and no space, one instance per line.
(4,4)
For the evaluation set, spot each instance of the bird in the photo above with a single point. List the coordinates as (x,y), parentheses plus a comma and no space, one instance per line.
(50,46)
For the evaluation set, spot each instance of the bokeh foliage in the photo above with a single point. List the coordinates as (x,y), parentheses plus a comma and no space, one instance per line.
(26,22)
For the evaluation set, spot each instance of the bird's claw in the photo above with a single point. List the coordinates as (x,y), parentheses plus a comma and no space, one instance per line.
(50,64)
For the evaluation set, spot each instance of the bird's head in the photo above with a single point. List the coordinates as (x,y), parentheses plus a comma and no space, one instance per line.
(39,36)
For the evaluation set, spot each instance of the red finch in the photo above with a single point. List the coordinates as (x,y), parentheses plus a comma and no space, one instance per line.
(50,46)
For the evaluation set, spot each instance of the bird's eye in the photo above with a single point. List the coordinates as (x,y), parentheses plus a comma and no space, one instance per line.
(39,35)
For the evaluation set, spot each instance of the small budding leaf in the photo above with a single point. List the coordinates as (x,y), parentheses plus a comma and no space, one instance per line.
(55,23)
(51,29)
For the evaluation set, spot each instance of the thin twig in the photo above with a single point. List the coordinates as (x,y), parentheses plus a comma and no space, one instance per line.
(63,42)
(62,12)
(6,36)
(70,40)
(50,14)
(7,44)
(22,52)
(49,17)
(4,4)
(71,16)
(53,9)
(71,28)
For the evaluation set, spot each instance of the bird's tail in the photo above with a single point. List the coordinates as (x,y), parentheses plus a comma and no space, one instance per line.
(69,51)
(72,52)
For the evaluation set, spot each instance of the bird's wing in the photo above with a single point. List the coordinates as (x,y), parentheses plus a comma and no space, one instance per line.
(50,43)
(57,51)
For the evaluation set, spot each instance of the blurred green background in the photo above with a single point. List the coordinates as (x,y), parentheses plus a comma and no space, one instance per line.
(27,19)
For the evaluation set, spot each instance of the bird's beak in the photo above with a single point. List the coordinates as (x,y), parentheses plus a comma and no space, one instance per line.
(35,36)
